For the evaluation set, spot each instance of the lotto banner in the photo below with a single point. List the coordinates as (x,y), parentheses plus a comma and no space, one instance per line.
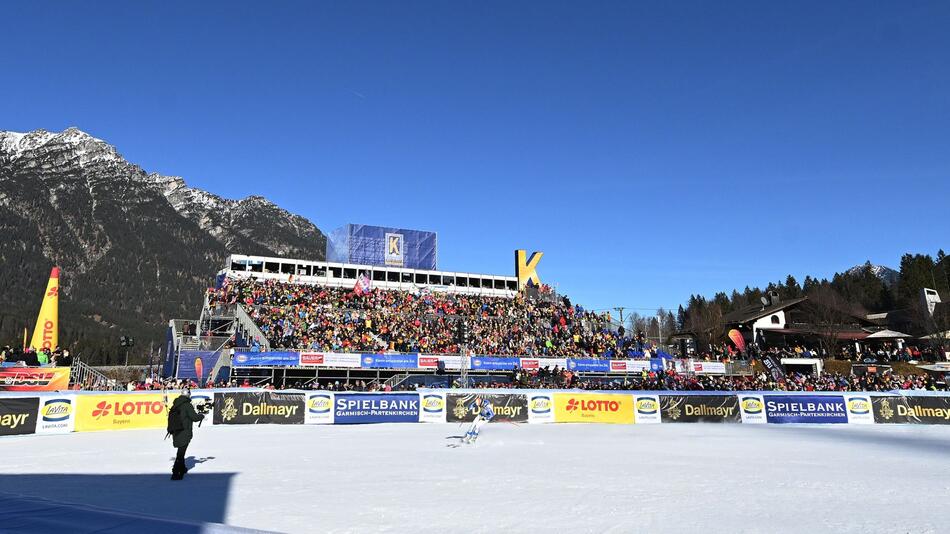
(17,416)
(593,408)
(57,414)
(119,411)
(507,407)
(34,378)
(432,407)
(699,408)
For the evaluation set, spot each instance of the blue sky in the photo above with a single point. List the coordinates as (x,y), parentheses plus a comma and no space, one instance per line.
(651,150)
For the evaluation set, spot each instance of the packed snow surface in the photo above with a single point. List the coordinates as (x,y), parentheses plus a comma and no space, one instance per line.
(695,478)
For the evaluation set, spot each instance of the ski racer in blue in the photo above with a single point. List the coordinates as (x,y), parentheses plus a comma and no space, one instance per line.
(484,415)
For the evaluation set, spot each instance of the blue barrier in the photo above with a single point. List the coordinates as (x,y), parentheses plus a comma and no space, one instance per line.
(390,361)
(356,408)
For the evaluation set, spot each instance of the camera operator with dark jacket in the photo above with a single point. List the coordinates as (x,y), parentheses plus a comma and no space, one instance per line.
(180,419)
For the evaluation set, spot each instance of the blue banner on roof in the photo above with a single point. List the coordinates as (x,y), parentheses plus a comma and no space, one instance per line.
(349,408)
(266,359)
(589,366)
(494,364)
(805,409)
(390,361)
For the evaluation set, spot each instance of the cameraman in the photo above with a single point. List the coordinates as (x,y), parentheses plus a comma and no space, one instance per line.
(180,418)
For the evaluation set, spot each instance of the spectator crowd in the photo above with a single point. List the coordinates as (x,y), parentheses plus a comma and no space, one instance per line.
(298,316)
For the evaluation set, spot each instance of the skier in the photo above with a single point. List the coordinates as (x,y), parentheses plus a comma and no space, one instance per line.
(180,418)
(485,414)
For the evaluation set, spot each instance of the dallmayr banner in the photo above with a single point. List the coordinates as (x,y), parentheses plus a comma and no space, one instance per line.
(805,409)
(699,408)
(593,408)
(57,415)
(920,410)
(507,407)
(34,378)
(355,408)
(18,416)
(258,408)
(119,411)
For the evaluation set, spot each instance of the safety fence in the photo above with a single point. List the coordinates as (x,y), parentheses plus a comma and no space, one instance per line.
(63,412)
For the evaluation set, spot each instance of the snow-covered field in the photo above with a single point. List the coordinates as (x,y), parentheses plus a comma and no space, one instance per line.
(695,478)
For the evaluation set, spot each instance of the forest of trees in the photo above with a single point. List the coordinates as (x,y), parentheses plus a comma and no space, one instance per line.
(857,292)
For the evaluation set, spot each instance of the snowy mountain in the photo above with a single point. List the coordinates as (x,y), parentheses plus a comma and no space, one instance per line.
(136,248)
(885,274)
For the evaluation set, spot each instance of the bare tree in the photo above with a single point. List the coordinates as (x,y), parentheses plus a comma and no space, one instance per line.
(829,314)
(707,325)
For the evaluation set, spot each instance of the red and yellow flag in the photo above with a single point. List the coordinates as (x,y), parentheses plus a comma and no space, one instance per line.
(46,333)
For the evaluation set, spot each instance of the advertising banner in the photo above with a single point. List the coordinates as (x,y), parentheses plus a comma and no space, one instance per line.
(495,364)
(265,359)
(709,368)
(920,410)
(752,408)
(356,408)
(319,408)
(18,416)
(258,408)
(330,359)
(589,366)
(805,409)
(507,407)
(593,408)
(629,366)
(646,409)
(379,245)
(196,364)
(540,408)
(432,407)
(198,398)
(390,361)
(657,365)
(57,415)
(119,411)
(699,408)
(773,366)
(34,378)
(542,363)
(859,409)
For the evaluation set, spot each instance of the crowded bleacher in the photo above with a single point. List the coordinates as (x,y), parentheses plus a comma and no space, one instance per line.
(299,316)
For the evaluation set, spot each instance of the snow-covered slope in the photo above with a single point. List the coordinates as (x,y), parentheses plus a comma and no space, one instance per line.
(681,478)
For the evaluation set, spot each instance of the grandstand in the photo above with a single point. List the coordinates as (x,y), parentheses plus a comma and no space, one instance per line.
(267,305)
